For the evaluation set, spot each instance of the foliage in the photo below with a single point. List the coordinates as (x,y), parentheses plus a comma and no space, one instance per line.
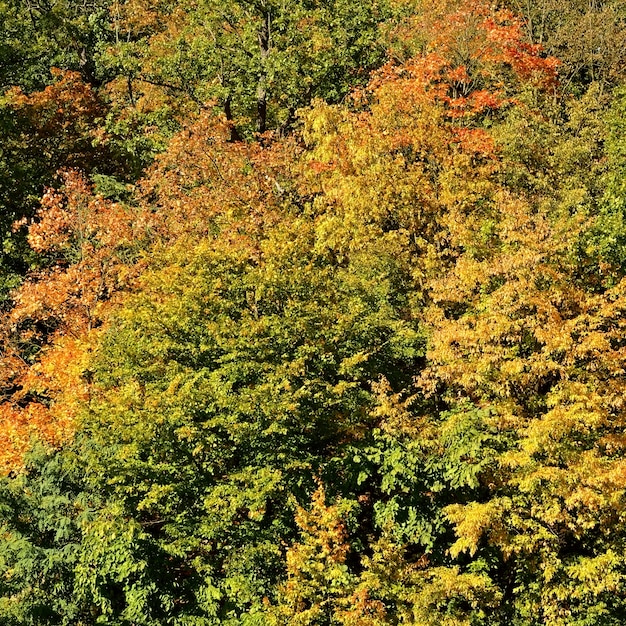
(260,61)
(44,132)
(588,38)
(365,369)
(36,36)
(87,246)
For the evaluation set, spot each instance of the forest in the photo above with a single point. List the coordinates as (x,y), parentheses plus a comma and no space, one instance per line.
(313,312)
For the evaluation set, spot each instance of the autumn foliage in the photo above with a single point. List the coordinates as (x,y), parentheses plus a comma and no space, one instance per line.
(356,365)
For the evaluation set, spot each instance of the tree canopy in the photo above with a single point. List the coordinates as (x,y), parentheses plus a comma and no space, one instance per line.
(312,313)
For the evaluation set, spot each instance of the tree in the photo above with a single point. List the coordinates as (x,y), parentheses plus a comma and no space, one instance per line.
(87,247)
(245,352)
(520,349)
(587,37)
(37,36)
(260,61)
(46,131)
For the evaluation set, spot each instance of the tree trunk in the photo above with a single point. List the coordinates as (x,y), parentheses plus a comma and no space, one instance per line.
(261,91)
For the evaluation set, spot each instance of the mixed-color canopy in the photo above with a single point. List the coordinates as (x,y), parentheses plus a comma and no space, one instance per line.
(312,313)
